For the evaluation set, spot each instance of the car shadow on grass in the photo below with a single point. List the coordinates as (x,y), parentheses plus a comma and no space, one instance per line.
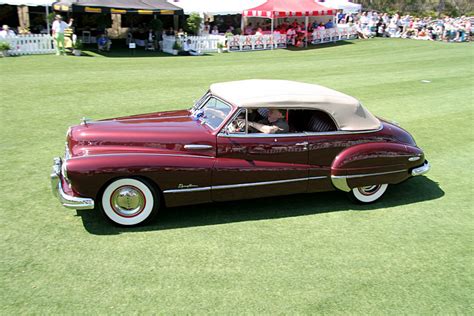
(415,190)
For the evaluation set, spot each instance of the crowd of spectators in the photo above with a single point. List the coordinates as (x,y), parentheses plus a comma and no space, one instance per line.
(371,24)
(374,24)
(295,31)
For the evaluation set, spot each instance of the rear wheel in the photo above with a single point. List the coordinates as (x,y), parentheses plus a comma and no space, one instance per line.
(129,202)
(369,193)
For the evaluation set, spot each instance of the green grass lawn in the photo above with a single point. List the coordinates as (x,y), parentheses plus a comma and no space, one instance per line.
(411,253)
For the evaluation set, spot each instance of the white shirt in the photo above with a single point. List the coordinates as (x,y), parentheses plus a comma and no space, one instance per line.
(186,47)
(59,26)
(5,34)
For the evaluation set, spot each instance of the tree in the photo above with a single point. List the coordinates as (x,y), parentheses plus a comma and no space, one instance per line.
(193,23)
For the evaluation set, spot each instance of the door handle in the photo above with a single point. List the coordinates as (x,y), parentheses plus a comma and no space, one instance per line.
(197,147)
(303,144)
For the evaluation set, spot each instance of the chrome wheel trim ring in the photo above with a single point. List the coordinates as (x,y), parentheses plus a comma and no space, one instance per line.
(127,201)
(369,194)
(369,190)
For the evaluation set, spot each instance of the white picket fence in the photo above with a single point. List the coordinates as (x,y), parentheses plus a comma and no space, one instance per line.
(201,44)
(333,35)
(30,44)
(240,43)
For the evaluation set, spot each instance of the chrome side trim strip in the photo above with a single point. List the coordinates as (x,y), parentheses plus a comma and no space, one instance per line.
(368,174)
(187,190)
(317,178)
(242,185)
(197,147)
(253,184)
(421,170)
(148,154)
(260,135)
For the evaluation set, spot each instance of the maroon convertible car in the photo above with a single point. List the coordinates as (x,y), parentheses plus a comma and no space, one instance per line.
(242,139)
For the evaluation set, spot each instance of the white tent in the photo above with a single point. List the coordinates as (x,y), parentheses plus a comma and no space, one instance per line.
(344,5)
(215,7)
(30,3)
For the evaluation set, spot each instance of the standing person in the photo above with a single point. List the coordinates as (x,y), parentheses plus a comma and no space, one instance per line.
(58,28)
(6,32)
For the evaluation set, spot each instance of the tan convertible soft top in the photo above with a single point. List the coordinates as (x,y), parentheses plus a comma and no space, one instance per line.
(347,111)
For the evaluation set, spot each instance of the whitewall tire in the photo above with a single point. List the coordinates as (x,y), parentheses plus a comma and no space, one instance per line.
(369,193)
(129,202)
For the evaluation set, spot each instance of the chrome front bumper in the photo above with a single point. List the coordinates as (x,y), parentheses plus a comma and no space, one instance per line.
(421,170)
(66,200)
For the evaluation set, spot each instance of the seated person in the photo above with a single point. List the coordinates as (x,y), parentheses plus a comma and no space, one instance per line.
(329,25)
(103,43)
(187,50)
(274,123)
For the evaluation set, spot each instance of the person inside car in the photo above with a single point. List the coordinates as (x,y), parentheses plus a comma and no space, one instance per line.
(274,123)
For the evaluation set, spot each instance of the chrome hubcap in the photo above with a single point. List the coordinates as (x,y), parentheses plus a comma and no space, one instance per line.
(127,201)
(369,190)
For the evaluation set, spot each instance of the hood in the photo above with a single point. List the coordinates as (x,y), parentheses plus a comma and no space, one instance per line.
(145,133)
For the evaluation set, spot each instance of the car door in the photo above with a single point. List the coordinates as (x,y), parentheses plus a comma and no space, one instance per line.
(251,165)
(324,144)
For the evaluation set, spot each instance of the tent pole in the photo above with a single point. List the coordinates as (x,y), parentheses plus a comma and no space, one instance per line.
(306,30)
(271,29)
(47,15)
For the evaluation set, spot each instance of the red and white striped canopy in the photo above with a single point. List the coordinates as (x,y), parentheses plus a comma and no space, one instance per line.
(288,8)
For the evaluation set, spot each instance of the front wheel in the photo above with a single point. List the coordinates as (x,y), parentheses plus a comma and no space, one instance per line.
(369,193)
(129,202)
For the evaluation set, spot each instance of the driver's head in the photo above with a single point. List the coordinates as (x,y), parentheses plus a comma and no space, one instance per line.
(274,115)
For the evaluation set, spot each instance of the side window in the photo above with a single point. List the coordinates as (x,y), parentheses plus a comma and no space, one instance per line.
(313,121)
(268,121)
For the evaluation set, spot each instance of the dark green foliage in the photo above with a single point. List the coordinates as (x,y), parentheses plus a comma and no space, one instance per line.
(156,25)
(193,23)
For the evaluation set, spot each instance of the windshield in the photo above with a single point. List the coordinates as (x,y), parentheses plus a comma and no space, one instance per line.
(213,112)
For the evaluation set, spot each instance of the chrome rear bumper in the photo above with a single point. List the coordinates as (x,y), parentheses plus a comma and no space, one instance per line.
(421,170)
(66,200)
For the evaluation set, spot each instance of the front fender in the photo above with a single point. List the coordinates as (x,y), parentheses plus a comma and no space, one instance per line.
(88,174)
